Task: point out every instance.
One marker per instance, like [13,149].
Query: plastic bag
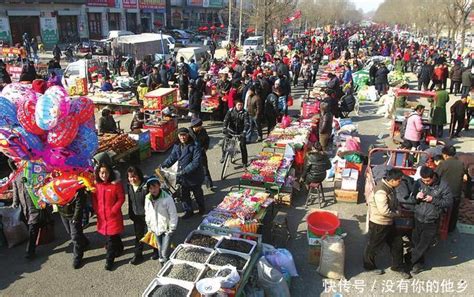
[282,260]
[14,229]
[231,279]
[331,263]
[285,121]
[271,280]
[151,240]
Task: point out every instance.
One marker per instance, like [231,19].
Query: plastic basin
[322,223]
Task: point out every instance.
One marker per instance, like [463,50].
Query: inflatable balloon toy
[56,158]
[47,112]
[83,109]
[86,142]
[33,142]
[76,161]
[17,93]
[8,116]
[63,98]
[13,145]
[36,175]
[26,117]
[64,132]
[61,190]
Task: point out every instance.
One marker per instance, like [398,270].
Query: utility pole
[256,22]
[230,21]
[240,23]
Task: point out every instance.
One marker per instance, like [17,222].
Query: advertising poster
[49,31]
[5,33]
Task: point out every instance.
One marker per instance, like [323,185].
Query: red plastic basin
[322,223]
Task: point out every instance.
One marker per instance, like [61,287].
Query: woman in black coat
[316,165]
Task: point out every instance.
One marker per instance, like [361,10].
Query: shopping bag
[14,229]
[150,239]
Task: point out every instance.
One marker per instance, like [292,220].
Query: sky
[367,5]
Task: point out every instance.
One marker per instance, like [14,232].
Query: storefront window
[95,29]
[132,22]
[114,21]
[67,26]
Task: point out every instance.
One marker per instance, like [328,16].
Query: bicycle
[231,150]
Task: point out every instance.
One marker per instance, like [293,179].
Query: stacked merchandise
[296,135]
[242,210]
[163,129]
[118,143]
[209,104]
[144,146]
[268,167]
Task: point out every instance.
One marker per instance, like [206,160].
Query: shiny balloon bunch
[50,137]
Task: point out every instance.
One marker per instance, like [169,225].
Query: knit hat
[196,122]
[183,131]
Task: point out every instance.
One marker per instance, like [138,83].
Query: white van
[117,33]
[254,44]
[168,39]
[80,69]
[195,53]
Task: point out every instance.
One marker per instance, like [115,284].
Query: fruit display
[119,143]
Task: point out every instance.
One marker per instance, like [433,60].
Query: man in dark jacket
[57,53]
[188,154]
[154,80]
[200,136]
[456,77]
[195,100]
[433,199]
[164,76]
[458,116]
[325,126]
[452,171]
[381,79]
[424,77]
[71,216]
[183,83]
[255,109]
[271,111]
[237,122]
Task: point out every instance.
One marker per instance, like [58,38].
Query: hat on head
[183,130]
[196,122]
[152,181]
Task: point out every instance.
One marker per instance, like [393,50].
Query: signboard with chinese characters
[5,33]
[195,3]
[129,3]
[49,31]
[101,3]
[152,4]
[216,3]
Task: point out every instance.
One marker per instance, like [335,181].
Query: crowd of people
[254,94]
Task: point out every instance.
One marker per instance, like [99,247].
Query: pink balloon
[62,96]
[18,93]
[55,158]
[83,109]
[64,132]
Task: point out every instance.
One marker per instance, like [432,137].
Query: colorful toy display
[48,138]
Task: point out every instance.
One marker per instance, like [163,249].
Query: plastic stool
[280,228]
[315,188]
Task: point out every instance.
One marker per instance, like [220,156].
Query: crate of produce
[191,253]
[203,239]
[221,258]
[160,98]
[239,246]
[185,272]
[168,287]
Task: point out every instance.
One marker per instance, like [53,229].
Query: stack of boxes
[142,137]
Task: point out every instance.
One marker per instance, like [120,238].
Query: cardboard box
[314,254]
[141,136]
[346,196]
[350,178]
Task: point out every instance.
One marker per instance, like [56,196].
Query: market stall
[122,146]
[163,128]
[119,102]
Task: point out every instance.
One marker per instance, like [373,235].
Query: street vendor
[107,123]
[382,209]
[189,175]
[316,165]
[438,111]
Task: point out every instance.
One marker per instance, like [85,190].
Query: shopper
[237,122]
[458,117]
[136,192]
[325,126]
[255,110]
[190,172]
[161,217]
[438,111]
[414,128]
[383,205]
[200,136]
[433,199]
[452,171]
[107,201]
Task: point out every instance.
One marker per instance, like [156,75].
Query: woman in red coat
[107,201]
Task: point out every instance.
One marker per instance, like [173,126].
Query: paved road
[51,272]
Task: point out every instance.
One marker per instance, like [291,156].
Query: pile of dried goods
[203,240]
[224,259]
[193,254]
[169,291]
[236,245]
[184,272]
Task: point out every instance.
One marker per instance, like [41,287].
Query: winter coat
[160,213]
[466,78]
[381,76]
[195,100]
[456,73]
[255,106]
[271,106]
[438,108]
[426,73]
[437,73]
[188,157]
[315,168]
[136,200]
[5,76]
[107,202]
[23,199]
[325,123]
[237,121]
[202,139]
[414,127]
[430,212]
[452,171]
[382,204]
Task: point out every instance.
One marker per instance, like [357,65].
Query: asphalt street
[51,273]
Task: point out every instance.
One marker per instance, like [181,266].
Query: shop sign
[129,3]
[49,30]
[101,3]
[152,4]
[216,3]
[5,33]
[195,3]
